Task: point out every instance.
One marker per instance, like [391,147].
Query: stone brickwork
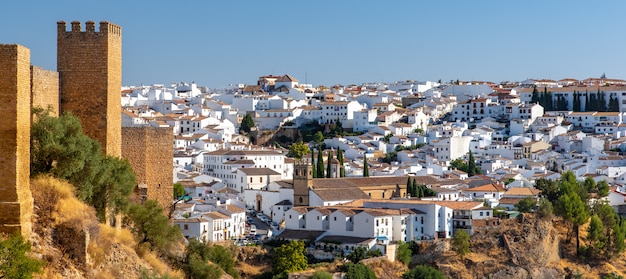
[45,89]
[302,182]
[149,151]
[16,201]
[89,63]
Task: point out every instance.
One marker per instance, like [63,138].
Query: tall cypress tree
[320,163]
[550,101]
[535,95]
[593,102]
[408,186]
[576,104]
[471,165]
[313,169]
[613,104]
[586,101]
[328,164]
[366,168]
[415,189]
[342,170]
[601,101]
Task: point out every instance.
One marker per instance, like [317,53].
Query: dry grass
[113,253]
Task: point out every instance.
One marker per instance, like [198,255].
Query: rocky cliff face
[527,247]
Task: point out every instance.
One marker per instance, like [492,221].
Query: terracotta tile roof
[522,191]
[455,205]
[512,201]
[233,208]
[340,194]
[370,181]
[214,215]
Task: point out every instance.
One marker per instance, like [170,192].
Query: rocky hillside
[68,237]
[527,247]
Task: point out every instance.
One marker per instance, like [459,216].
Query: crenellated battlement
[90,28]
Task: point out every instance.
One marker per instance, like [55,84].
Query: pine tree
[320,163]
[366,169]
[328,164]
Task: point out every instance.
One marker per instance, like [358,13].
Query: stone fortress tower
[90,80]
[88,84]
[16,201]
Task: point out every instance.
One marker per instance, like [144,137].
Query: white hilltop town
[402,161]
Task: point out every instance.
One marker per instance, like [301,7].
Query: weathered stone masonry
[90,80]
[149,151]
[16,201]
[45,89]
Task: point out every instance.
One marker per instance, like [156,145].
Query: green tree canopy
[298,150]
[545,208]
[358,254]
[527,204]
[290,257]
[404,253]
[152,227]
[14,259]
[461,242]
[59,147]
[549,189]
[359,271]
[195,263]
[116,181]
[318,137]
[246,123]
[423,272]
[179,190]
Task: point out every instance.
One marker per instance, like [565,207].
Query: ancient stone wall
[90,79]
[16,202]
[150,153]
[45,89]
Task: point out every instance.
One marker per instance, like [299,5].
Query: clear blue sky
[215,43]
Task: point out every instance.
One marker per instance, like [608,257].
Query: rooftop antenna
[306,79]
